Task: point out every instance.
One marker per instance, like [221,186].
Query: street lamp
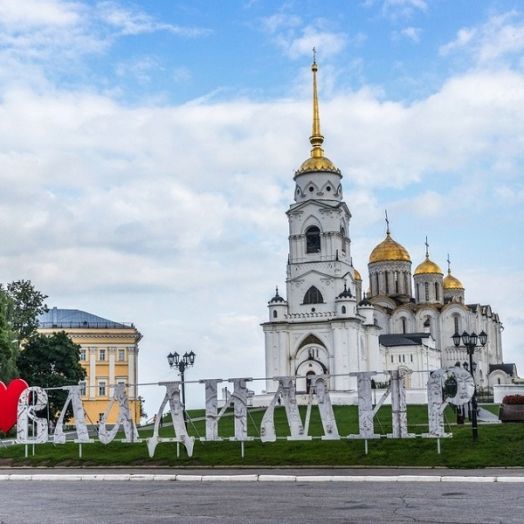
[181,363]
[470,343]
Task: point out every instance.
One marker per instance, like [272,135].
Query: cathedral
[326,325]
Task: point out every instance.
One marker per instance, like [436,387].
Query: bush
[513,399]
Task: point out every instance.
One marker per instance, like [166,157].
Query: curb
[256,478]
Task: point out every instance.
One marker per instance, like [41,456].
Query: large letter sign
[31,401]
[365,406]
[436,406]
[286,393]
[124,418]
[34,399]
[177,416]
[82,434]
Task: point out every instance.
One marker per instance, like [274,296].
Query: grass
[498,445]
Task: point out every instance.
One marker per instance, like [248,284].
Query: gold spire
[317,161]
[316,139]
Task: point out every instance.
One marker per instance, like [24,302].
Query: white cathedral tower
[320,328]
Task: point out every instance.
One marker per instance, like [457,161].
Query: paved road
[254,502]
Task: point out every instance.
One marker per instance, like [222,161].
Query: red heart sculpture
[9,402]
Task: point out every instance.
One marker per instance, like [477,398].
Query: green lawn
[498,445]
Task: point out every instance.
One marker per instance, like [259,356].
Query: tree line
[41,360]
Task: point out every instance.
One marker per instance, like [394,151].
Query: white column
[131,374]
[112,354]
[92,372]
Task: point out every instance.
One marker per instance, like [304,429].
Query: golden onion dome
[389,251]
[320,163]
[428,267]
[357,277]
[450,282]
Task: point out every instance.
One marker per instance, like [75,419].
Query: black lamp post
[181,363]
[470,343]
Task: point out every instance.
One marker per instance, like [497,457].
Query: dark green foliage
[8,341]
[51,361]
[27,304]
[20,305]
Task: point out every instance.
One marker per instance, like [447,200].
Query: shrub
[513,399]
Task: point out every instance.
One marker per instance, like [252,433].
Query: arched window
[406,286]
[343,235]
[313,296]
[436,291]
[404,326]
[376,284]
[309,380]
[426,291]
[274,314]
[313,240]
[418,292]
[343,310]
[386,276]
[456,320]
[397,290]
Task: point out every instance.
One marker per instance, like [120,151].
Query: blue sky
[147,152]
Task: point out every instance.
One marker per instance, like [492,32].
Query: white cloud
[411,33]
[39,13]
[167,215]
[396,9]
[134,22]
[502,36]
[53,35]
[297,40]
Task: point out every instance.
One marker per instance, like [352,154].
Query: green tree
[27,304]
[8,341]
[51,361]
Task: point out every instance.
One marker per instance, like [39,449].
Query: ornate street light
[181,363]
[470,343]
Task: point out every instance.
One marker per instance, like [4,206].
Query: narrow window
[418,292]
[411,357]
[101,388]
[121,355]
[396,283]
[343,235]
[82,388]
[343,310]
[426,291]
[457,325]
[376,285]
[406,287]
[274,314]
[436,291]
[386,277]
[102,354]
[392,359]
[313,296]
[498,381]
[313,240]
[82,354]
[404,330]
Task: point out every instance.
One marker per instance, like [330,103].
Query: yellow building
[109,353]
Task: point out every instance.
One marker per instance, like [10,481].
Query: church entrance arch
[307,369]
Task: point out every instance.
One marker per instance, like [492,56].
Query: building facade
[109,354]
[325,325]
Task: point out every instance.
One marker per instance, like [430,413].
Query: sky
[147,152]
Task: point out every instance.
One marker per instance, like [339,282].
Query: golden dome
[317,164]
[450,282]
[428,267]
[389,250]
[358,277]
